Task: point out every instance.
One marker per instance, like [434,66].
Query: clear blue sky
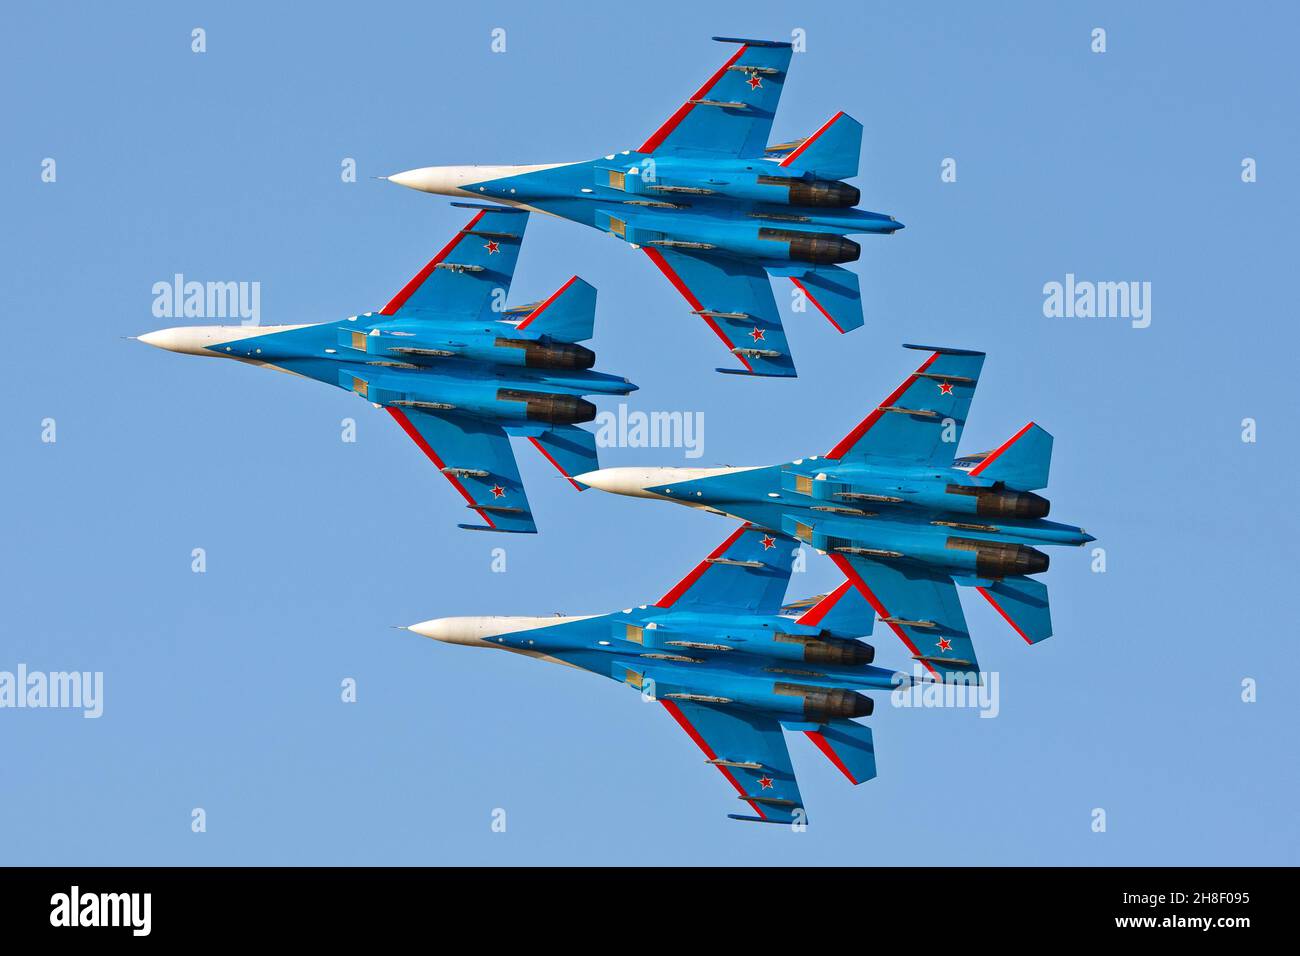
[222,689]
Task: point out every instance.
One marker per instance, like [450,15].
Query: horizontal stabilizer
[842,613]
[831,152]
[569,315]
[835,293]
[572,450]
[1022,602]
[1021,462]
[849,746]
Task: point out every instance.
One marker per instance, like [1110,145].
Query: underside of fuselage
[582,192]
[508,394]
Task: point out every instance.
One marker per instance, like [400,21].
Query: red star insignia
[492,247]
[945,388]
[765,783]
[945,644]
[754,82]
[769,542]
[758,335]
[498,492]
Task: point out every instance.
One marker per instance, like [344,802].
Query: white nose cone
[478,631]
[207,339]
[444,180]
[457,180]
[635,481]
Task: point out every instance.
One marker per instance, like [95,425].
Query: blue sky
[222,688]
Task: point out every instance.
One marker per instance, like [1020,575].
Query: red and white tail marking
[820,308]
[808,142]
[524,322]
[825,747]
[813,616]
[1005,616]
[558,467]
[993,455]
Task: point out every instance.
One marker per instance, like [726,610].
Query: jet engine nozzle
[824,248]
[548,407]
[997,559]
[823,192]
[835,650]
[553,355]
[821,702]
[1011,504]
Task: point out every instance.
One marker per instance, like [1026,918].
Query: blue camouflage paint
[456,368]
[731,665]
[716,208]
[903,517]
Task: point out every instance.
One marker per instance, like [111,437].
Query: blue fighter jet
[456,368]
[714,206]
[903,516]
[729,663]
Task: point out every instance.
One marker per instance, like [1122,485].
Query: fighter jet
[901,514]
[714,207]
[455,368]
[729,664]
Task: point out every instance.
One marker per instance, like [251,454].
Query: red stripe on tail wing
[820,308]
[547,455]
[999,450]
[813,616]
[1005,616]
[810,140]
[523,324]
[825,747]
